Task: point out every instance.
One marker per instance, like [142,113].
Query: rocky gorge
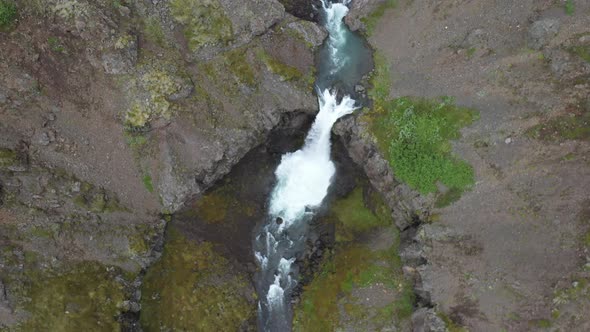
[138,141]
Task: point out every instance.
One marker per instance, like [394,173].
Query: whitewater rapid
[302,181]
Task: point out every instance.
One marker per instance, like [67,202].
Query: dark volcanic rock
[304,9]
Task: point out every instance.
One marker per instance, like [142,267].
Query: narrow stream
[304,176]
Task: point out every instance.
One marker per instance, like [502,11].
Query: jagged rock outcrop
[113,115]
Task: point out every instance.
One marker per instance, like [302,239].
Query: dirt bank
[499,258]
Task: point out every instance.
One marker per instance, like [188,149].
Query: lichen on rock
[161,87]
[205,22]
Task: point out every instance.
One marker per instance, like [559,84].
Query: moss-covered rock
[160,86]
[237,62]
[287,72]
[194,288]
[205,22]
[8,157]
[96,199]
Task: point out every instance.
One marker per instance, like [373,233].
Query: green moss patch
[328,301]
[569,7]
[353,215]
[8,14]
[288,73]
[83,298]
[237,62]
[193,288]
[450,324]
[223,204]
[147,183]
[583,51]
[55,45]
[160,85]
[574,125]
[353,266]
[96,199]
[414,135]
[205,22]
[153,31]
[447,198]
[8,157]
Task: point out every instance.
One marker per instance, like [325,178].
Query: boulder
[541,32]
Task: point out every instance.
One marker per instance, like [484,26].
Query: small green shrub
[8,13]
[575,125]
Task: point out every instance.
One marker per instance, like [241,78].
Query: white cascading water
[303,178]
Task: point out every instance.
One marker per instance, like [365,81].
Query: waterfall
[302,181]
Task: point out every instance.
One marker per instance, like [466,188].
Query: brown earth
[499,256]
